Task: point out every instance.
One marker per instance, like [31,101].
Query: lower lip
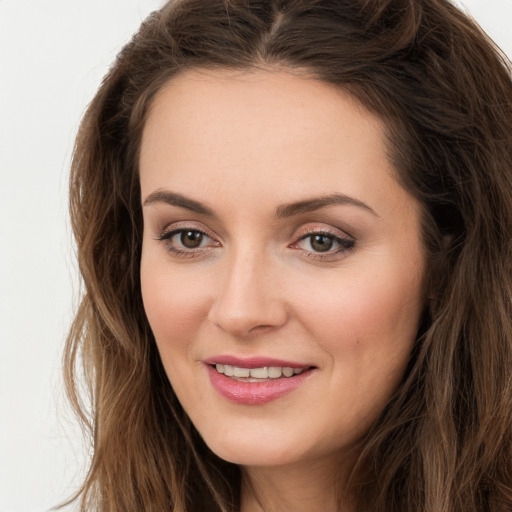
[254,393]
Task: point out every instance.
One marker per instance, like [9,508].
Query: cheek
[365,317]
[175,305]
[367,327]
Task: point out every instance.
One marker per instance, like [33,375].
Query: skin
[243,144]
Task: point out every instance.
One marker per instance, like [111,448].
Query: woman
[293,222]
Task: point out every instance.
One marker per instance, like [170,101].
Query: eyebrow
[283,211]
[316,203]
[174,199]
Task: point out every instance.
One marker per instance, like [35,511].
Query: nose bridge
[247,296]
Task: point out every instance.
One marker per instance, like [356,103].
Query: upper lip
[254,362]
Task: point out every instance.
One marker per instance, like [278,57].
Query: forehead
[285,100]
[272,133]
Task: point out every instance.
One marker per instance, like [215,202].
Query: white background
[53,54]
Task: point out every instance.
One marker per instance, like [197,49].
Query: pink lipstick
[256,380]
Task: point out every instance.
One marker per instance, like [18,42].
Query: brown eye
[191,239]
[187,242]
[321,243]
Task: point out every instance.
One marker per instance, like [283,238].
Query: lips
[255,381]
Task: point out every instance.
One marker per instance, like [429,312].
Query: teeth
[287,372]
[274,372]
[265,372]
[259,373]
[241,372]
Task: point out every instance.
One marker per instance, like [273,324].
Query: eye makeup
[324,244]
[187,242]
[315,243]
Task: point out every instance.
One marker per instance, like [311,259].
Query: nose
[248,299]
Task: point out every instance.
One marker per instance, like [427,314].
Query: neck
[304,487]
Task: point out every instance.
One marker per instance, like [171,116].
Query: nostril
[261,327]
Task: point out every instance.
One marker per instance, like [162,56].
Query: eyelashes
[318,244]
[326,243]
[186,242]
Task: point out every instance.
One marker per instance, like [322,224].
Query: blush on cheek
[173,307]
[366,320]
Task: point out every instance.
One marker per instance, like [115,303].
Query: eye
[324,244]
[186,241]
[321,243]
[191,239]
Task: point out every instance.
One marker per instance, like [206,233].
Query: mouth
[256,381]
[259,374]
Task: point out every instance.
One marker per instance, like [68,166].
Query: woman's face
[282,266]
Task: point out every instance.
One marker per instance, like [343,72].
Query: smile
[256,381]
[262,374]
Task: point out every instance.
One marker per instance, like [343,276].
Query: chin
[249,448]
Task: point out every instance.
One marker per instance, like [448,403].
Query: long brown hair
[444,442]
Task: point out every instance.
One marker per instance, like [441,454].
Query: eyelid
[165,237]
[346,242]
[343,241]
[169,229]
[314,229]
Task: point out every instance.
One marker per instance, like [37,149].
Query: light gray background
[53,54]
